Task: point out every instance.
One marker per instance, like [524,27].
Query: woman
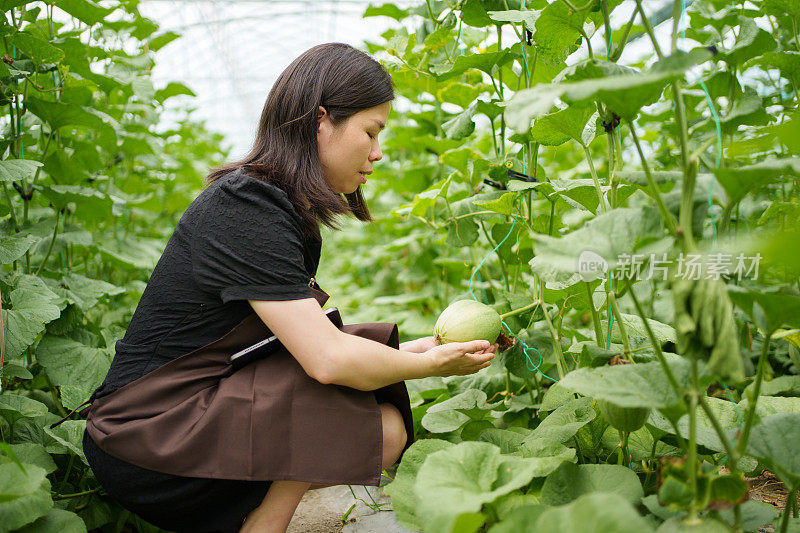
[190,443]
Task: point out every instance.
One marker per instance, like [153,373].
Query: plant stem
[626,343]
[521,309]
[11,207]
[598,329]
[741,446]
[656,346]
[786,510]
[50,248]
[693,394]
[732,457]
[600,198]
[560,363]
[662,207]
[649,29]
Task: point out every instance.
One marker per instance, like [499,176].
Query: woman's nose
[376,154]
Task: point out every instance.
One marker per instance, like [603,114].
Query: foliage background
[93,188]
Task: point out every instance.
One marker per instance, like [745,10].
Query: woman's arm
[331,356]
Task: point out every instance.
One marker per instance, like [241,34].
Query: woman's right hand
[460,358]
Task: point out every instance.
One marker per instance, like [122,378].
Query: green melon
[623,418]
[467,320]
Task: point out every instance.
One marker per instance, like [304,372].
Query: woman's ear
[321,115]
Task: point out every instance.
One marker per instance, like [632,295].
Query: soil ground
[322,510]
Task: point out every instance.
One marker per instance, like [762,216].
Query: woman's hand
[419,345]
[460,358]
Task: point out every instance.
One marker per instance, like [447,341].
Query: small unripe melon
[623,418]
[467,320]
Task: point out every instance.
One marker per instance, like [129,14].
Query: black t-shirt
[239,240]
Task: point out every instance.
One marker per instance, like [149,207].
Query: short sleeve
[247,242]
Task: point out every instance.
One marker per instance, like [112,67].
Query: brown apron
[197,417]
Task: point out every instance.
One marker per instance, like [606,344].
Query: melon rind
[467,320]
[623,418]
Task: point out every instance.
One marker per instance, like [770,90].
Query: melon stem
[520,310]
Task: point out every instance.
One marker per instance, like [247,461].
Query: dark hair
[285,153]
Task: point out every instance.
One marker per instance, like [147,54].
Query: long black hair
[339,78]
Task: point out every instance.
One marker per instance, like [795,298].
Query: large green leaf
[738,181]
[36,49]
[75,368]
[401,490]
[18,169]
[85,292]
[31,308]
[769,307]
[70,434]
[639,385]
[557,30]
[451,414]
[593,513]
[559,127]
[83,10]
[751,42]
[14,246]
[462,478]
[461,125]
[56,521]
[571,481]
[563,423]
[34,454]
[613,235]
[13,407]
[624,94]
[24,496]
[776,441]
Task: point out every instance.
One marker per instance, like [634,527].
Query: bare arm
[331,356]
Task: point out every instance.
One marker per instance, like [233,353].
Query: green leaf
[84,10]
[85,292]
[571,481]
[24,497]
[173,89]
[751,42]
[74,367]
[624,94]
[58,115]
[18,169]
[462,232]
[634,325]
[485,62]
[13,407]
[451,414]
[515,17]
[94,205]
[748,111]
[559,127]
[15,246]
[781,385]
[401,490]
[34,454]
[563,423]
[476,13]
[738,181]
[36,49]
[56,521]
[462,478]
[639,385]
[503,205]
[70,434]
[461,94]
[386,10]
[557,31]
[461,125]
[611,235]
[593,513]
[31,308]
[776,442]
[770,307]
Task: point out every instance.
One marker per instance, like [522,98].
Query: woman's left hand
[419,345]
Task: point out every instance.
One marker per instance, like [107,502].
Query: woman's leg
[278,506]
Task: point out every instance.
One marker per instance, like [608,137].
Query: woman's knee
[394,433]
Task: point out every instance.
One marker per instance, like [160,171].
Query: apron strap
[53,425]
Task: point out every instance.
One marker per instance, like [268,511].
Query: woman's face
[349,150]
